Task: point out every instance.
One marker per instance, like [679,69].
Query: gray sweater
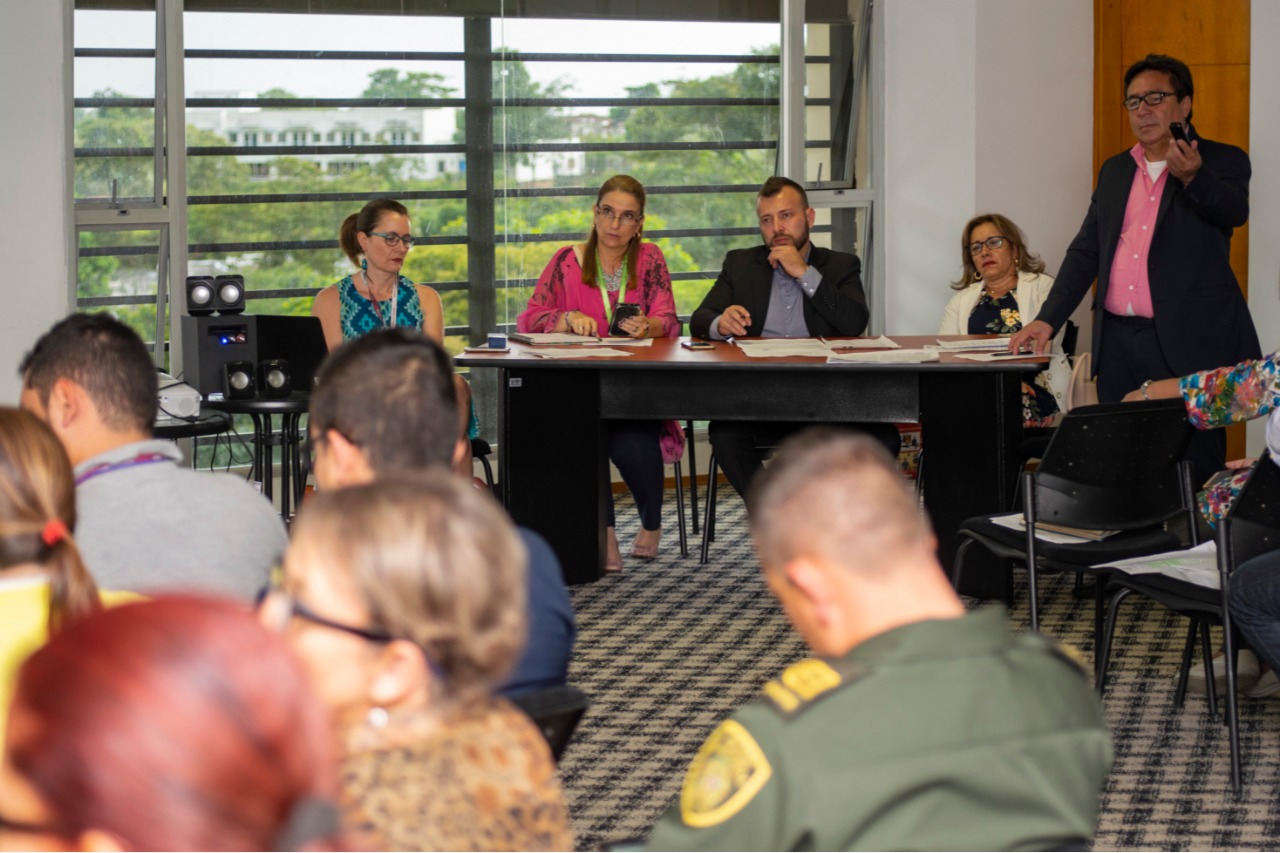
[148,524]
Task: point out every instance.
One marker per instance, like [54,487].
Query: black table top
[295,404]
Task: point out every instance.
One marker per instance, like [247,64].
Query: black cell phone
[693,344]
[622,312]
[1177,131]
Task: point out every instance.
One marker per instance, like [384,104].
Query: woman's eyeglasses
[393,239]
[290,608]
[628,217]
[991,243]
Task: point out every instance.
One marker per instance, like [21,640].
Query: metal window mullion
[482,255]
[175,146]
[791,114]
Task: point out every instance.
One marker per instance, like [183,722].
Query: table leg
[552,454]
[262,453]
[970,423]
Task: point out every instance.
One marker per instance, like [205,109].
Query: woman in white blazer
[1002,289]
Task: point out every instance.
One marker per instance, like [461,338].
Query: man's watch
[1144,387]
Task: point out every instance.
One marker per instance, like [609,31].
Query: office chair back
[1252,525]
[1116,467]
[556,711]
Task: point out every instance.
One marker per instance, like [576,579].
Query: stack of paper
[980,344]
[548,339]
[618,342]
[896,356]
[775,347]
[881,342]
[1197,565]
[578,352]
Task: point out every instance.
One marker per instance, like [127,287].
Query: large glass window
[496,143]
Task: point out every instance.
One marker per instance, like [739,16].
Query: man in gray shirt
[787,288]
[145,522]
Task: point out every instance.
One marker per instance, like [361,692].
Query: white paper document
[996,356]
[549,339]
[1014,521]
[979,344]
[1198,565]
[775,347]
[578,352]
[881,342]
[618,342]
[897,356]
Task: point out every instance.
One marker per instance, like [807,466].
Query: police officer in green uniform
[916,725]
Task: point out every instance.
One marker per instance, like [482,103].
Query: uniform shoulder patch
[726,774]
[1062,651]
[800,684]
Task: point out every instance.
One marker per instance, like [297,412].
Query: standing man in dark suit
[1158,239]
[787,288]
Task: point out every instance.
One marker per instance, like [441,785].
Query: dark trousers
[1131,355]
[1255,605]
[741,446]
[634,449]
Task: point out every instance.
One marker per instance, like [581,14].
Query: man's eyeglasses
[991,243]
[628,217]
[1151,99]
[290,607]
[393,239]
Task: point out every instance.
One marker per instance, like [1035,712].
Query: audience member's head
[404,593]
[91,379]
[384,403]
[38,515]
[842,542]
[173,724]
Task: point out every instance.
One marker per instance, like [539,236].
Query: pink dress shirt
[1130,287]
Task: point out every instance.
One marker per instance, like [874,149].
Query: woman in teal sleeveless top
[377,240]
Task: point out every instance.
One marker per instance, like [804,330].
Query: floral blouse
[1228,395]
[992,316]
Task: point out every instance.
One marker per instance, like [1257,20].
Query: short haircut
[433,560]
[1177,71]
[391,394]
[104,357]
[838,495]
[776,184]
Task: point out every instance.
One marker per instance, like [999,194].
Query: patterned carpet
[669,648]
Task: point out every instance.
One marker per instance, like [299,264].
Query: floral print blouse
[1228,395]
[1000,316]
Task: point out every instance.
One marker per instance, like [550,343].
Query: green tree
[524,124]
[276,92]
[392,83]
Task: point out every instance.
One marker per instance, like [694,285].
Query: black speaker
[274,378]
[228,295]
[210,342]
[200,289]
[237,380]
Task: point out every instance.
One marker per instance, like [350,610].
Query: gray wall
[36,233]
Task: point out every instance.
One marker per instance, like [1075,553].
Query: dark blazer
[1202,320]
[838,307]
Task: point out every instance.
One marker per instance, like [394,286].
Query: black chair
[480,449]
[1109,467]
[1251,528]
[556,711]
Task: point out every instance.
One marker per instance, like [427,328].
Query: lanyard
[604,294]
[377,308]
[108,467]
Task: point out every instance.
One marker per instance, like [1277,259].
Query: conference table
[552,413]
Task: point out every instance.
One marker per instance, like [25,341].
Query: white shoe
[1246,674]
[1267,685]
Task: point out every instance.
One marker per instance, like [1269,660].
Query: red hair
[173,724]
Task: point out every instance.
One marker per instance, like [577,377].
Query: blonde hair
[635,189]
[434,561]
[38,513]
